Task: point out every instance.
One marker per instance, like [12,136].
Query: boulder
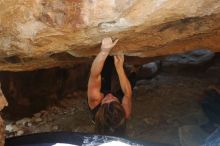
[194,61]
[49,33]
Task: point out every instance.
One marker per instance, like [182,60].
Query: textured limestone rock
[3,103]
[46,33]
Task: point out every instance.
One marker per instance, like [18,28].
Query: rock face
[47,33]
[3,103]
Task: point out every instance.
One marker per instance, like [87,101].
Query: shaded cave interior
[32,91]
[29,92]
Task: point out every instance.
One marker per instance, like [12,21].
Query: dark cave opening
[31,92]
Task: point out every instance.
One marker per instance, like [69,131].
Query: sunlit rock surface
[3,103]
[47,33]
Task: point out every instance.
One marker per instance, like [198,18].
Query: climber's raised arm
[124,83]
[94,85]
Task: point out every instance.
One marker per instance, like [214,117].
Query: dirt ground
[161,106]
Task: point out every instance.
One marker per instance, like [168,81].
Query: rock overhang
[48,33]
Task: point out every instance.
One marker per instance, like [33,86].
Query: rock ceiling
[37,34]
